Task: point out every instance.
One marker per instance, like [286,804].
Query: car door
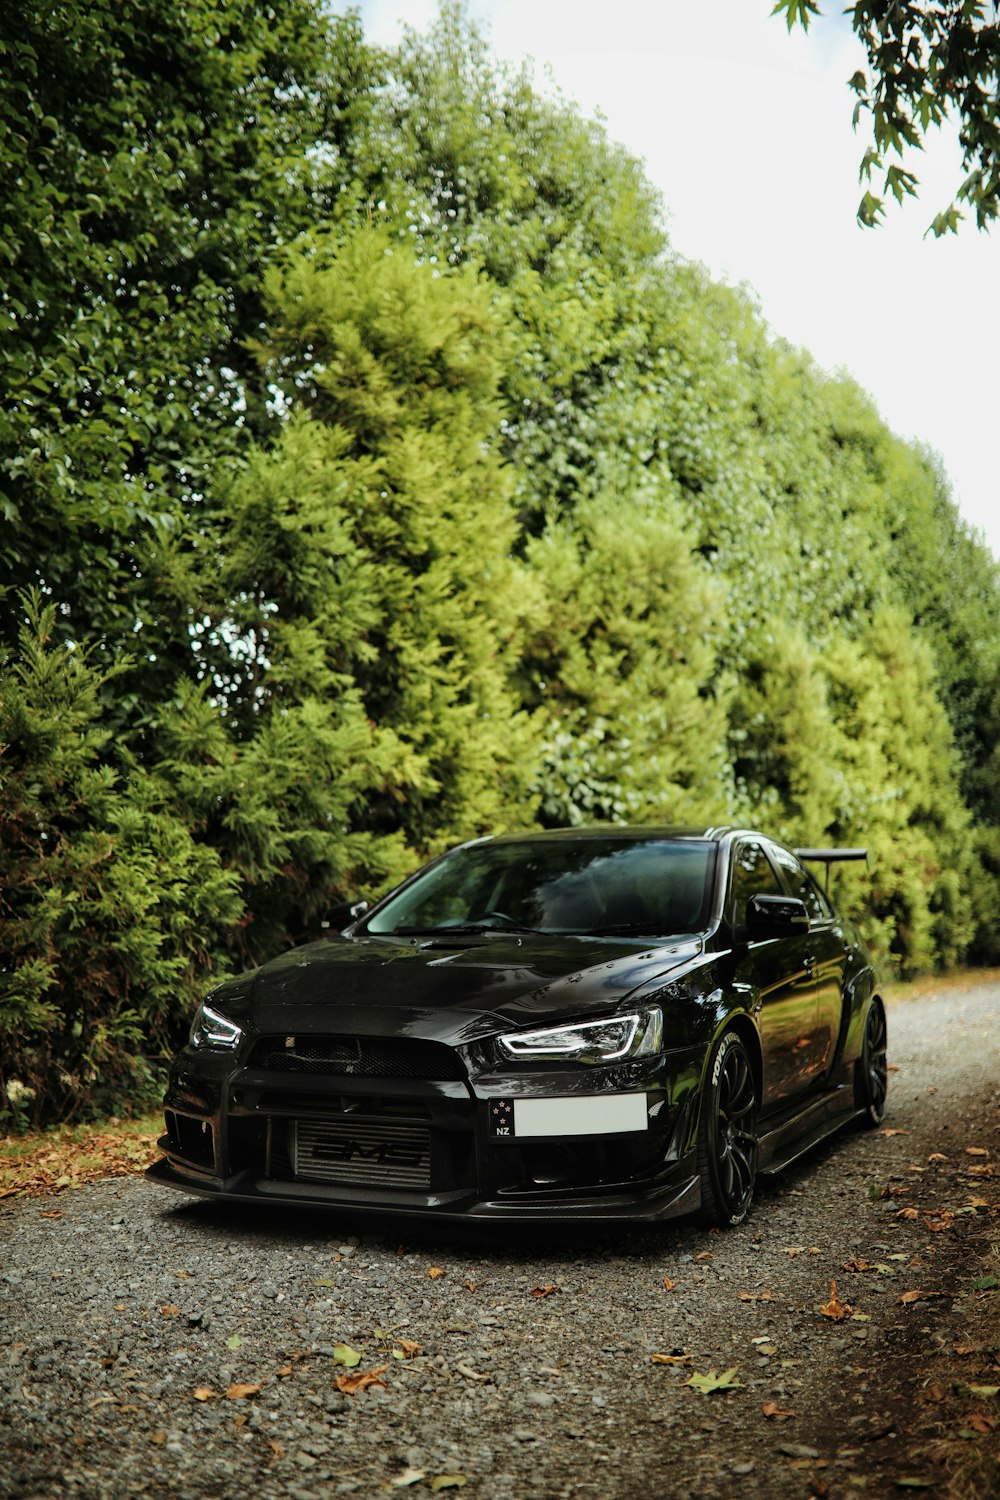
[827,955]
[778,971]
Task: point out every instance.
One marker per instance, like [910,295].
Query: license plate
[602,1114]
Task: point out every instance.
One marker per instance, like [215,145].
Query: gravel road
[131,1317]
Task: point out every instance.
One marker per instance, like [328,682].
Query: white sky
[746,131]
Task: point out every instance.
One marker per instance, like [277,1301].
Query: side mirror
[776,916]
[344,913]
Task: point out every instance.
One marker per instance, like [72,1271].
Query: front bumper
[439,1149]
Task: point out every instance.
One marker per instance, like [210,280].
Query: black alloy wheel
[727,1134]
[871,1071]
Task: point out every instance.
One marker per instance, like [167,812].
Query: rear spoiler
[830,857]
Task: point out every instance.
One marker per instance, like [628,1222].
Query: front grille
[364,1057]
[374,1153]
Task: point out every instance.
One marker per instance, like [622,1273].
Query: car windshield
[607,886]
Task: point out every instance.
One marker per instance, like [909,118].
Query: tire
[871,1071]
[727,1134]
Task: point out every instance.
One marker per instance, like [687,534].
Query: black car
[584,1024]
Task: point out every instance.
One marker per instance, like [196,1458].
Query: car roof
[623,831]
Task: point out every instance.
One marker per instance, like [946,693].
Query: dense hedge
[375,475]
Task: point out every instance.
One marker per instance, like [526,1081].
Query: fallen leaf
[407,1348]
[343,1354]
[894,1190]
[159,1437]
[793,1249]
[893,1131]
[447,1482]
[544,1291]
[284,1372]
[937,1156]
[980,1422]
[351,1384]
[668,1284]
[54,1213]
[325,1281]
[908,1213]
[170,1310]
[703,1255]
[940,1222]
[275,1447]
[408,1477]
[919,1296]
[985,1283]
[706,1384]
[856,1264]
[243,1392]
[935,1392]
[671,1359]
[983,1390]
[835,1309]
[765,1296]
[976,1151]
[204,1393]
[435,1271]
[772,1409]
[471,1285]
[766,1348]
[234,1341]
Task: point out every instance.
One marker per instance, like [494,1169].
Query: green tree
[110,911]
[926,62]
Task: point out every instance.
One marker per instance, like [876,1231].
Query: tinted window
[752,876]
[800,883]
[658,887]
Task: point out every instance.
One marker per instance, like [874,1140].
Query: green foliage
[110,909]
[381,478]
[925,62]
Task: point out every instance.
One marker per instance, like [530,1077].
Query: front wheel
[727,1134]
[871,1071]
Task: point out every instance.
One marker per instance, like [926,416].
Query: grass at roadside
[66,1156]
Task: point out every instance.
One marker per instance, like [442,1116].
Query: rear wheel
[871,1071]
[727,1134]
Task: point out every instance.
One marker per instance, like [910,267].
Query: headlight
[637,1035]
[210,1029]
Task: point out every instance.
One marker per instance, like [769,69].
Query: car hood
[457,989]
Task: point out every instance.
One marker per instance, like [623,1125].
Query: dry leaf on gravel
[703,1255]
[772,1409]
[706,1384]
[765,1296]
[835,1309]
[908,1213]
[668,1284]
[351,1384]
[670,1359]
[240,1392]
[170,1310]
[204,1393]
[976,1151]
[919,1296]
[471,1285]
[406,1349]
[435,1271]
[544,1291]
[276,1448]
[406,1478]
